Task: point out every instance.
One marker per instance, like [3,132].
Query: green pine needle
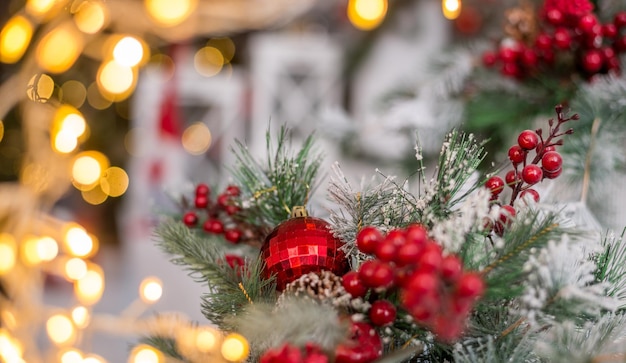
[166,346]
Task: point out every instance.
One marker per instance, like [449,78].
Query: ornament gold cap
[299,211]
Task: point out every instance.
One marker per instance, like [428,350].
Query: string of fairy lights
[34,245]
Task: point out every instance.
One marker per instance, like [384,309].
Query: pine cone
[521,23]
[324,286]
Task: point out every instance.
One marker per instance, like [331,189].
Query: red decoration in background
[299,246]
[571,10]
[169,123]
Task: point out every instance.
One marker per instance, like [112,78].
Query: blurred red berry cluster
[568,32]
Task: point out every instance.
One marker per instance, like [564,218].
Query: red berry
[551,161]
[553,174]
[609,30]
[587,22]
[516,154]
[396,236]
[620,44]
[545,149]
[470,286]
[353,284]
[489,58]
[203,189]
[409,253]
[607,53]
[613,64]
[495,184]
[386,250]
[232,235]
[620,19]
[532,174]
[592,61]
[213,226]
[511,69]
[530,193]
[562,38]
[201,201]
[548,56]
[190,219]
[423,283]
[554,16]
[430,258]
[416,233]
[543,41]
[376,274]
[367,239]
[233,191]
[382,313]
[507,213]
[511,178]
[508,54]
[234,260]
[527,140]
[223,200]
[446,329]
[451,268]
[529,58]
[232,209]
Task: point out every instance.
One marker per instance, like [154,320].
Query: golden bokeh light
[128,51]
[47,248]
[7,319]
[90,288]
[43,8]
[165,64]
[75,268]
[15,38]
[132,141]
[451,8]
[73,93]
[80,317]
[77,241]
[367,14]
[11,349]
[58,50]
[94,195]
[197,138]
[64,142]
[60,329]
[145,354]
[225,45]
[1,130]
[115,79]
[235,348]
[208,61]
[40,88]
[96,99]
[91,16]
[92,358]
[114,181]
[8,253]
[75,124]
[86,170]
[71,356]
[170,12]
[29,251]
[205,340]
[150,290]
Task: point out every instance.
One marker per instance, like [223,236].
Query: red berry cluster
[288,353]
[218,215]
[433,288]
[533,159]
[564,32]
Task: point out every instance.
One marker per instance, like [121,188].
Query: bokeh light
[114,181]
[92,358]
[80,316]
[225,45]
[367,14]
[91,16]
[60,329]
[115,79]
[197,138]
[128,51]
[41,8]
[150,290]
[71,356]
[47,248]
[208,61]
[75,268]
[77,241]
[96,99]
[15,38]
[40,88]
[11,349]
[1,130]
[90,288]
[64,142]
[29,251]
[235,348]
[8,252]
[73,93]
[145,354]
[86,170]
[451,8]
[94,195]
[205,340]
[170,12]
[58,50]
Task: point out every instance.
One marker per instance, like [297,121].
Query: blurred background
[111,110]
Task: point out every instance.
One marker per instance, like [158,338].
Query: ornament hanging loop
[299,211]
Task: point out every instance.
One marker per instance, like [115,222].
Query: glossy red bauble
[301,245]
[376,274]
[201,201]
[368,238]
[190,219]
[532,174]
[382,313]
[387,250]
[203,189]
[587,22]
[527,140]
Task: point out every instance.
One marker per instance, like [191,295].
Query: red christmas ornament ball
[301,245]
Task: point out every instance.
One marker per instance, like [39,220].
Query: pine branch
[230,289]
[611,267]
[166,346]
[490,350]
[287,179]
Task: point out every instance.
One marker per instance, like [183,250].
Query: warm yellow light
[58,50]
[367,14]
[74,123]
[60,329]
[170,12]
[91,16]
[74,93]
[39,7]
[8,253]
[196,139]
[205,340]
[92,358]
[79,243]
[86,170]
[128,51]
[150,290]
[80,316]
[115,78]
[47,248]
[208,61]
[11,349]
[96,99]
[451,8]
[145,354]
[14,39]
[7,319]
[114,181]
[1,130]
[75,268]
[71,356]
[89,289]
[235,348]
[40,88]
[64,142]
[225,45]
[95,195]
[30,254]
